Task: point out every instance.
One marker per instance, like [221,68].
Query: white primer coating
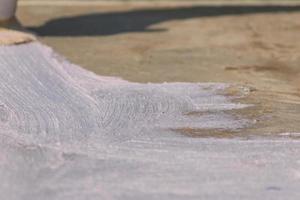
[7,9]
[66,133]
[41,93]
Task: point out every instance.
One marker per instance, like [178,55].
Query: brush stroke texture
[66,133]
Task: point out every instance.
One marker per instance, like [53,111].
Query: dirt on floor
[256,45]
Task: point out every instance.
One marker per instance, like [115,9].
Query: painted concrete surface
[67,133]
[255,45]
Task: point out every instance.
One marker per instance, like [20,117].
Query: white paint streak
[44,95]
[66,133]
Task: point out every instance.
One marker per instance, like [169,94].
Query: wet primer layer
[44,96]
[66,133]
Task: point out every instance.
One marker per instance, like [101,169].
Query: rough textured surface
[69,134]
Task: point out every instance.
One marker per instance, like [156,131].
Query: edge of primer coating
[44,96]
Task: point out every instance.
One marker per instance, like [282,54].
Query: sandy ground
[255,44]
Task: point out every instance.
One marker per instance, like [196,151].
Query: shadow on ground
[140,20]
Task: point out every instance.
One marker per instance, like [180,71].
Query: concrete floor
[68,134]
[73,138]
